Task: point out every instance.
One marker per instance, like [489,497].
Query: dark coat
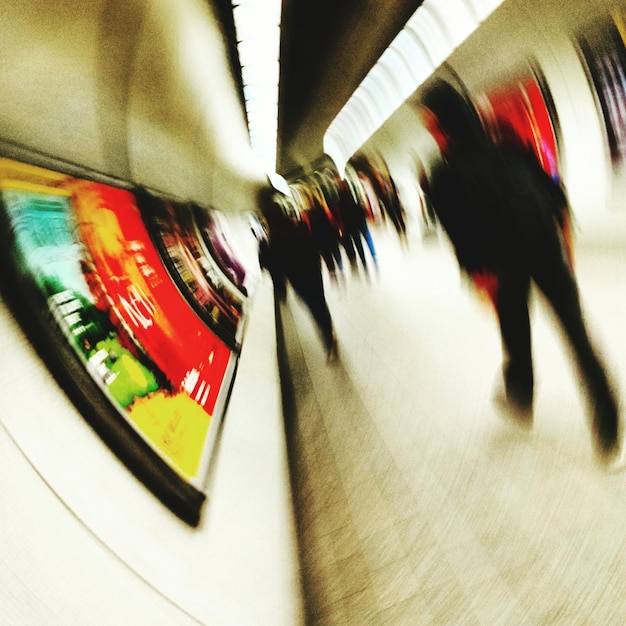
[497,205]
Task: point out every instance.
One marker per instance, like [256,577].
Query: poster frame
[30,308]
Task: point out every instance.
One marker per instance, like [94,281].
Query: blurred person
[355,228]
[290,255]
[504,216]
[394,207]
[429,219]
[325,233]
[369,209]
[385,188]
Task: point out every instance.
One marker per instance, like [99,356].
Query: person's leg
[367,235]
[336,252]
[348,246]
[329,261]
[554,277]
[310,289]
[318,307]
[280,284]
[511,302]
[358,246]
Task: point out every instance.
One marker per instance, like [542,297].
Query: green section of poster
[47,246]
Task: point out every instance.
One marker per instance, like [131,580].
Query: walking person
[290,254]
[505,217]
[325,234]
[355,229]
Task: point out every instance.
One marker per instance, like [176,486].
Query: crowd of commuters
[506,217]
[324,219]
[288,252]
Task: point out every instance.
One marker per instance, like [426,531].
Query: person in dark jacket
[289,254]
[505,217]
[324,233]
[355,228]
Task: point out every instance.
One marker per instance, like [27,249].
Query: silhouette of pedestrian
[505,216]
[290,254]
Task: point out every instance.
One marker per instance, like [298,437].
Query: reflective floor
[416,502]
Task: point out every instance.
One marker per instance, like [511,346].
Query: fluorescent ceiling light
[257,25]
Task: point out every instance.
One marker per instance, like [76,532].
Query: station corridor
[380,489]
[416,502]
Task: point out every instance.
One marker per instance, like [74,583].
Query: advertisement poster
[603,54]
[87,250]
[193,363]
[212,233]
[520,109]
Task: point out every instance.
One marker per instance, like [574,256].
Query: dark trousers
[309,287]
[332,257]
[547,266]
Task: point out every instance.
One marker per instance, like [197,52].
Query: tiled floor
[416,502]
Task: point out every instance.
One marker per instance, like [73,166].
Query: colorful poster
[45,234]
[143,300]
[219,248]
[519,111]
[89,253]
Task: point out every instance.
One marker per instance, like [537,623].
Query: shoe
[332,351]
[606,432]
[518,413]
[607,446]
[615,462]
[610,456]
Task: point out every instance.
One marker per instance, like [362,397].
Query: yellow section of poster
[176,425]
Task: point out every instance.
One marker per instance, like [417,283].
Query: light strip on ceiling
[257,25]
[429,37]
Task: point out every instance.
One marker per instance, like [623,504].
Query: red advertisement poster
[521,109]
[142,300]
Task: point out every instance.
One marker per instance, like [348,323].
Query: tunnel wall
[138,91]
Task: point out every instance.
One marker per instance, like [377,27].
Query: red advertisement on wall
[143,300]
[174,230]
[143,295]
[84,269]
[519,111]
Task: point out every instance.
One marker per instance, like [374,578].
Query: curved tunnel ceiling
[327,48]
[129,95]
